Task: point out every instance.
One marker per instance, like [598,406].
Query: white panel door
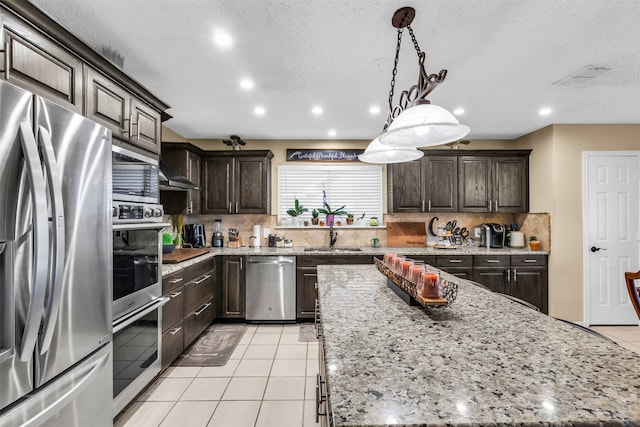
[612,240]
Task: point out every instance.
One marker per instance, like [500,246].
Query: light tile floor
[626,336]
[269,381]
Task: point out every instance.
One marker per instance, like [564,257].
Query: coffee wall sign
[343,155]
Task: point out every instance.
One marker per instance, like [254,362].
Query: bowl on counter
[167,249]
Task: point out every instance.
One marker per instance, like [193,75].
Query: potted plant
[314,219]
[349,218]
[297,210]
[332,213]
[534,244]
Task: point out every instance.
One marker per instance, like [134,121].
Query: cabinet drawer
[198,290]
[200,268]
[197,321]
[172,343]
[173,310]
[491,260]
[454,261]
[173,280]
[528,260]
[427,259]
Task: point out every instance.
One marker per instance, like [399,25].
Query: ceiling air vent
[585,74]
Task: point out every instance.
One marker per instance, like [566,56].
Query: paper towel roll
[256,233]
[517,239]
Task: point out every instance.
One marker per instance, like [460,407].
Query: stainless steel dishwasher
[271,288]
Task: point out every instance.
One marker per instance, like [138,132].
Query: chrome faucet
[333,236]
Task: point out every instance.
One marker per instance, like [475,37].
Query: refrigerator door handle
[57,243]
[7,303]
[40,266]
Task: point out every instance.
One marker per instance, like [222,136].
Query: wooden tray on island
[406,290]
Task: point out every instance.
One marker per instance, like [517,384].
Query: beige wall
[556,187]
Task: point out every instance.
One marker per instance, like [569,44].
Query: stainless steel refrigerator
[55,265]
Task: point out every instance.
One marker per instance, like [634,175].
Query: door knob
[595,249]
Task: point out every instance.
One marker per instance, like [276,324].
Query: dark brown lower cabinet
[307,278]
[233,288]
[457,265]
[190,310]
[521,276]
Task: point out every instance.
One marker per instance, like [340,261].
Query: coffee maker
[194,235]
[493,235]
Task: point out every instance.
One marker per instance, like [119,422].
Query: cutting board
[406,234]
[179,255]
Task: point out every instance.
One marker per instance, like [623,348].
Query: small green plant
[349,215]
[297,210]
[533,239]
[335,212]
[315,213]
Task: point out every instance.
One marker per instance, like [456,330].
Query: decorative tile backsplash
[537,224]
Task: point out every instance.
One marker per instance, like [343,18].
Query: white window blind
[357,186]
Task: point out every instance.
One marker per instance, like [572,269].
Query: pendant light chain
[415,42]
[395,70]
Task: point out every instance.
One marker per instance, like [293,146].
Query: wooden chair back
[634,290]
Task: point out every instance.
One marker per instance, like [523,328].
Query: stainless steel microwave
[134,176]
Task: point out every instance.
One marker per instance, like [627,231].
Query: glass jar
[373,221]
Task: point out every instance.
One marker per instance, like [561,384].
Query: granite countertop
[482,361]
[364,250]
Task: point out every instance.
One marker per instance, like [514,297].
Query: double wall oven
[137,274]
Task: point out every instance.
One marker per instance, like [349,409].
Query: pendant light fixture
[414,121]
[379,153]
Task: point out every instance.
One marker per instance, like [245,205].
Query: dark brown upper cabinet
[35,63]
[494,183]
[425,185]
[461,181]
[130,120]
[237,182]
[186,159]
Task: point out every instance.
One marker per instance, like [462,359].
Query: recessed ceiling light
[317,110]
[374,109]
[332,132]
[545,111]
[458,111]
[222,38]
[246,84]
[259,111]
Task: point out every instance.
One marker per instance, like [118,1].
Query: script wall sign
[346,155]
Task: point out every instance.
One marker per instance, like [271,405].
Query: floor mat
[307,333]
[214,347]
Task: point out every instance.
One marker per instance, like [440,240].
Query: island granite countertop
[483,361]
[347,251]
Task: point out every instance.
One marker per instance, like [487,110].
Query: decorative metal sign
[344,155]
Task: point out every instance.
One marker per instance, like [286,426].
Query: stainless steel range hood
[172,180]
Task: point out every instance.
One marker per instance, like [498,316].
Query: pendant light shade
[383,154]
[423,125]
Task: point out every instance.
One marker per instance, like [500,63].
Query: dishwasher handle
[275,260]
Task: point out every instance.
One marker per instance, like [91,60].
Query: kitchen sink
[328,249]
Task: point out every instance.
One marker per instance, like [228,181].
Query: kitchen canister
[256,236]
[517,239]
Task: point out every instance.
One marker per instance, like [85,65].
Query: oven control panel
[130,212]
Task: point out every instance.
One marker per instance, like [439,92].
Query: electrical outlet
[478,232]
[265,232]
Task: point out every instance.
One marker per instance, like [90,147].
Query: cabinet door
[41,66]
[198,290]
[197,321]
[530,284]
[145,125]
[193,175]
[107,104]
[461,272]
[307,278]
[474,185]
[233,289]
[441,184]
[251,185]
[406,187]
[216,185]
[172,343]
[510,184]
[492,278]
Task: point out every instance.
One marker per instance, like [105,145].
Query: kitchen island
[485,360]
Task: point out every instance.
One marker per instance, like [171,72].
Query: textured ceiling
[503,58]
